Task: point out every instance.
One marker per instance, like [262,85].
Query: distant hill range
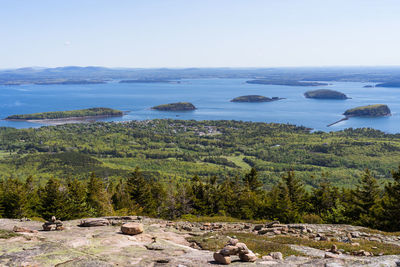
[275,76]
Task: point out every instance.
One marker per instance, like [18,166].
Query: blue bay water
[211,97]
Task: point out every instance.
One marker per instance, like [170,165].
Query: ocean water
[211,97]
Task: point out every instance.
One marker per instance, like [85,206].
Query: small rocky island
[80,114]
[325,94]
[255,99]
[180,106]
[378,110]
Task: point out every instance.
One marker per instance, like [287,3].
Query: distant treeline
[239,197]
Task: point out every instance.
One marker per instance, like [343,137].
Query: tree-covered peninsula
[180,106]
[149,81]
[254,98]
[90,112]
[325,94]
[378,110]
[285,82]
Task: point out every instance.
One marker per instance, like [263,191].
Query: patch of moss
[6,234]
[371,246]
[215,219]
[256,243]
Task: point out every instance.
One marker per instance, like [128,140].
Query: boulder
[334,250]
[132,228]
[271,224]
[233,241]
[221,259]
[329,255]
[258,227]
[229,250]
[242,248]
[93,222]
[49,227]
[248,257]
[18,229]
[276,255]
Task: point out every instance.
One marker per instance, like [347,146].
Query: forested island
[70,82]
[149,81]
[179,106]
[325,94]
[255,98]
[285,82]
[90,112]
[368,111]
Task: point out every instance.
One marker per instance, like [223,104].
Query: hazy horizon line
[194,67]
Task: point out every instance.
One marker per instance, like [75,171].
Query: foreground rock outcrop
[164,243]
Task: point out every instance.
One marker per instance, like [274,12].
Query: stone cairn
[53,225]
[234,247]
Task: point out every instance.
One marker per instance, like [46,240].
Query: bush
[312,219]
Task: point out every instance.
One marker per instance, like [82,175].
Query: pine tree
[32,198]
[97,197]
[14,198]
[288,199]
[324,198]
[365,197]
[251,180]
[53,199]
[76,206]
[121,199]
[390,209]
[140,191]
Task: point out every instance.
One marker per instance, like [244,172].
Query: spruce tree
[14,198]
[32,198]
[76,206]
[324,198]
[53,199]
[139,191]
[365,197]
[97,197]
[251,180]
[390,212]
[121,199]
[288,199]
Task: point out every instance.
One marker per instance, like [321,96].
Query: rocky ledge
[154,242]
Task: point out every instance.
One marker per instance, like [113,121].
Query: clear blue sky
[199,33]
